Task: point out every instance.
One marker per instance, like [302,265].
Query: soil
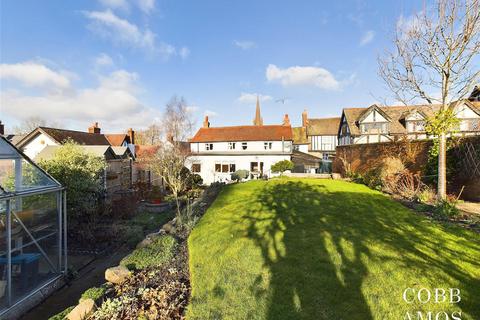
[89,276]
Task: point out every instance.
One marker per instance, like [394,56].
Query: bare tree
[31,123]
[169,161]
[150,136]
[435,61]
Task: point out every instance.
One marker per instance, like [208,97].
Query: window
[416,126]
[244,145]
[296,147]
[231,146]
[267,145]
[379,127]
[208,146]
[196,167]
[324,143]
[470,125]
[225,167]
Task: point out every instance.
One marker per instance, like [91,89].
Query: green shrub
[157,253]
[282,166]
[373,178]
[62,315]
[446,208]
[94,293]
[426,195]
[239,175]
[79,171]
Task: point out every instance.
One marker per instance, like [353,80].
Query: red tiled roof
[145,151]
[117,139]
[243,133]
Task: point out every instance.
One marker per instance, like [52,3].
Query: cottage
[385,124]
[217,152]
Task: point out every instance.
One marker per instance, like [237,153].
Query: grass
[151,220]
[324,249]
[155,254]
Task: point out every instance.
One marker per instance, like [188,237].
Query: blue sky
[119,61]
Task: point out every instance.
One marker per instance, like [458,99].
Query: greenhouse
[32,229]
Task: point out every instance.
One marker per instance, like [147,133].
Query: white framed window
[267,145]
[244,146]
[208,146]
[231,146]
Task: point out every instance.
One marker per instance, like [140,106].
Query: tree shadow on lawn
[318,243]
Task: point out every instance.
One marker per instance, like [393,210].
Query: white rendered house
[217,152]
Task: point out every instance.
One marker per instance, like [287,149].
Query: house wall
[37,144]
[252,146]
[302,147]
[242,162]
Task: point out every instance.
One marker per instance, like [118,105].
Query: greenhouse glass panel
[32,228]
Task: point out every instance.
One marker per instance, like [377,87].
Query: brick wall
[364,157]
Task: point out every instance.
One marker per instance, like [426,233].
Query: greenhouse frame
[33,229]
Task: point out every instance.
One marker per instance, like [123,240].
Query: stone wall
[361,158]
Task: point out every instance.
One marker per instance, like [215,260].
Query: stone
[149,239]
[117,275]
[84,309]
[168,227]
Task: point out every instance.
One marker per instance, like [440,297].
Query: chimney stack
[206,123]
[304,118]
[131,134]
[2,128]
[94,128]
[286,120]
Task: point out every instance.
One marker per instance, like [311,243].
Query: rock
[168,227]
[117,275]
[82,310]
[336,176]
[149,239]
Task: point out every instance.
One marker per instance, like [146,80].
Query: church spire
[258,121]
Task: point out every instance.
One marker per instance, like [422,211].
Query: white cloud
[367,37]
[110,26]
[146,5]
[244,45]
[302,76]
[252,97]
[103,59]
[115,4]
[113,101]
[184,52]
[33,74]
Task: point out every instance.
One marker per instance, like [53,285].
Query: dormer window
[379,127]
[244,146]
[267,145]
[208,146]
[231,146]
[416,126]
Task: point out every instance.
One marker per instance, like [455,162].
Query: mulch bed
[467,221]
[159,292]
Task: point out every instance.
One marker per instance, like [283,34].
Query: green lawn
[324,249]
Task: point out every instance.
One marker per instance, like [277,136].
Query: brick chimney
[286,120]
[304,118]
[206,123]
[94,128]
[131,134]
[2,128]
